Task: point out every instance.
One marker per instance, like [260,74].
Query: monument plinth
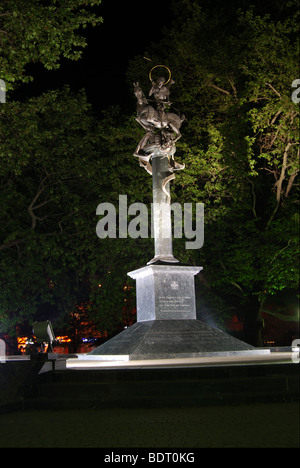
[165,292]
[167,324]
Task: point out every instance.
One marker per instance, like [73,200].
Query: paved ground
[259,425]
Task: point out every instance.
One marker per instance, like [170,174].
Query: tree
[234,69]
[41,169]
[39,31]
[52,181]
[49,161]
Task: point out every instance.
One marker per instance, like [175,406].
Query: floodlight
[43,332]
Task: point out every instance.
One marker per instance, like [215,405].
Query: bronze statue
[161,91]
[156,154]
[162,127]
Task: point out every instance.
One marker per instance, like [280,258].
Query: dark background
[127,28]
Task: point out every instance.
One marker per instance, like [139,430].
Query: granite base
[165,339]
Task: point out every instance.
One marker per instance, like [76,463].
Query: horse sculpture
[162,132]
[150,118]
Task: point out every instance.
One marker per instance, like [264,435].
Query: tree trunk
[253,322]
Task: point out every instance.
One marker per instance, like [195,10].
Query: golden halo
[156,66]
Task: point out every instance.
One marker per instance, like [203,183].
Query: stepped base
[167,339]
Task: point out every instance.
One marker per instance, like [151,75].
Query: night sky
[127,29]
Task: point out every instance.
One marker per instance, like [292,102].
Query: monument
[167,325]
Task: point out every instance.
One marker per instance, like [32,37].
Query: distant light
[30,341]
[63,339]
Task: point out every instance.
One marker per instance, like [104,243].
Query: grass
[255,425]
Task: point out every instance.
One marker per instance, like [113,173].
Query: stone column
[161,210]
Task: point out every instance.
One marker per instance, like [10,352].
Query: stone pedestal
[166,325]
[165,292]
[171,339]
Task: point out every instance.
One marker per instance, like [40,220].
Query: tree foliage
[41,31]
[233,67]
[52,181]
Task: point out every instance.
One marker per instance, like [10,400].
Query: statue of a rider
[161,91]
[162,127]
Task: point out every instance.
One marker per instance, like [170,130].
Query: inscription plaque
[174,304]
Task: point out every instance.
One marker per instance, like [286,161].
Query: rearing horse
[149,118]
